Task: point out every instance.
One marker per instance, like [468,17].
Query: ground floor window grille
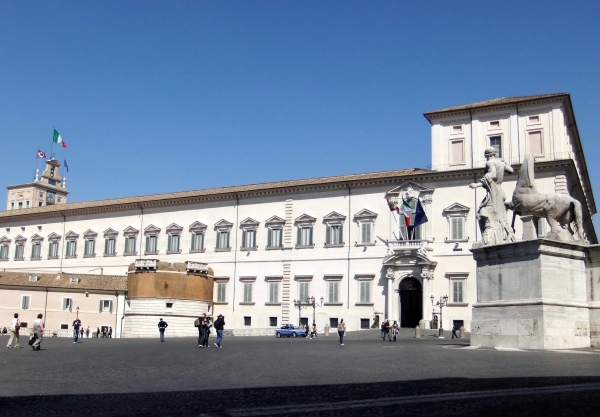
[364,323]
[247,321]
[333,323]
[273,321]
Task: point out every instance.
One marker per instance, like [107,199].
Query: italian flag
[408,212]
[58,139]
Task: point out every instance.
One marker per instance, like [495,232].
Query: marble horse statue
[563,212]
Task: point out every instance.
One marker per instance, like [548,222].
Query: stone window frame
[331,278]
[109,234]
[303,279]
[20,241]
[247,281]
[223,226]
[198,228]
[451,162]
[149,232]
[334,219]
[173,230]
[128,233]
[488,142]
[71,238]
[54,239]
[456,277]
[274,223]
[249,225]
[89,235]
[454,211]
[36,240]
[224,281]
[540,130]
[5,243]
[365,216]
[302,222]
[360,278]
[269,279]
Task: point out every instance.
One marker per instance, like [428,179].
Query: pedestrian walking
[97,332]
[104,330]
[81,332]
[200,324]
[38,332]
[162,325]
[219,325]
[314,331]
[454,329]
[307,331]
[395,329]
[208,325]
[76,325]
[110,332]
[15,326]
[386,330]
[87,332]
[341,331]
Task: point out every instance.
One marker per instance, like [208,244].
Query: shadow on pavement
[551,396]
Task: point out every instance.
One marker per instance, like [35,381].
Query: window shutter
[110,306]
[147,243]
[227,246]
[454,229]
[280,237]
[270,238]
[106,246]
[101,301]
[244,236]
[330,297]
[170,242]
[254,238]
[341,235]
[328,234]
[310,235]
[362,292]
[368,291]
[299,235]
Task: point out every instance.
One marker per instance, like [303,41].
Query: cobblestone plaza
[256,376]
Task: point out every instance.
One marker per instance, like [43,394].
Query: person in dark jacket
[162,325]
[219,325]
[201,324]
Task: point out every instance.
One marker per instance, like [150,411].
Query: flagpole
[52,144]
[36,162]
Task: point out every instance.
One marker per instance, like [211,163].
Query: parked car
[290,330]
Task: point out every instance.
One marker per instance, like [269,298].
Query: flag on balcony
[57,138]
[393,206]
[420,216]
[409,213]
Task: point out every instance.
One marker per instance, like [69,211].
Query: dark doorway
[411,302]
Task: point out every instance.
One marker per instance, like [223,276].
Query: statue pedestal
[531,295]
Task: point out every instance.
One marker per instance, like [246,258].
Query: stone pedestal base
[531,295]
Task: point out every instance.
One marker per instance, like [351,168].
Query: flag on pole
[393,206]
[58,139]
[66,166]
[420,216]
[408,212]
[41,154]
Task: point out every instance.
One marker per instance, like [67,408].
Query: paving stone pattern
[276,377]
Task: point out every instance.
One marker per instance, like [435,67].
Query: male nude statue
[492,210]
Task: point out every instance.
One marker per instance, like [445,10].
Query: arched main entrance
[411,302]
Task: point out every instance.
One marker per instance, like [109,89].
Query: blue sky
[155,97]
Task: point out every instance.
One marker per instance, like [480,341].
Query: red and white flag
[41,154]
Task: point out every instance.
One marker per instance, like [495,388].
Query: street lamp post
[299,304]
[442,303]
[314,306]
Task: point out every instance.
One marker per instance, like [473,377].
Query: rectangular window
[366,232]
[457,228]
[20,204]
[90,247]
[303,290]
[110,246]
[197,241]
[456,129]
[71,248]
[151,244]
[25,301]
[333,291]
[496,142]
[533,120]
[273,292]
[106,306]
[365,324]
[275,238]
[67,304]
[173,243]
[19,252]
[223,240]
[64,327]
[247,321]
[457,291]
[334,234]
[221,292]
[130,244]
[4,252]
[273,321]
[333,322]
[53,250]
[365,291]
[457,152]
[305,236]
[248,238]
[248,292]
[36,251]
[494,124]
[535,143]
[24,324]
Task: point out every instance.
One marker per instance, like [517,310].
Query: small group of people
[106,332]
[36,337]
[204,325]
[389,330]
[311,332]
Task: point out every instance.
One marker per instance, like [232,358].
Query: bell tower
[48,190]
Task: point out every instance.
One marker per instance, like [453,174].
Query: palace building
[263,246]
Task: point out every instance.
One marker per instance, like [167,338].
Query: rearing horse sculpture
[561,210]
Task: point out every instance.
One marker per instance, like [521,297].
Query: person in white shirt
[14,331]
[38,331]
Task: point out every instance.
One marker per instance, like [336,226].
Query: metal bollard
[462,332]
[417,332]
[326,331]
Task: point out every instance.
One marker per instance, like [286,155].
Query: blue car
[288,330]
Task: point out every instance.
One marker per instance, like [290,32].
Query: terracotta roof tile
[45,280]
[495,102]
[98,204]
